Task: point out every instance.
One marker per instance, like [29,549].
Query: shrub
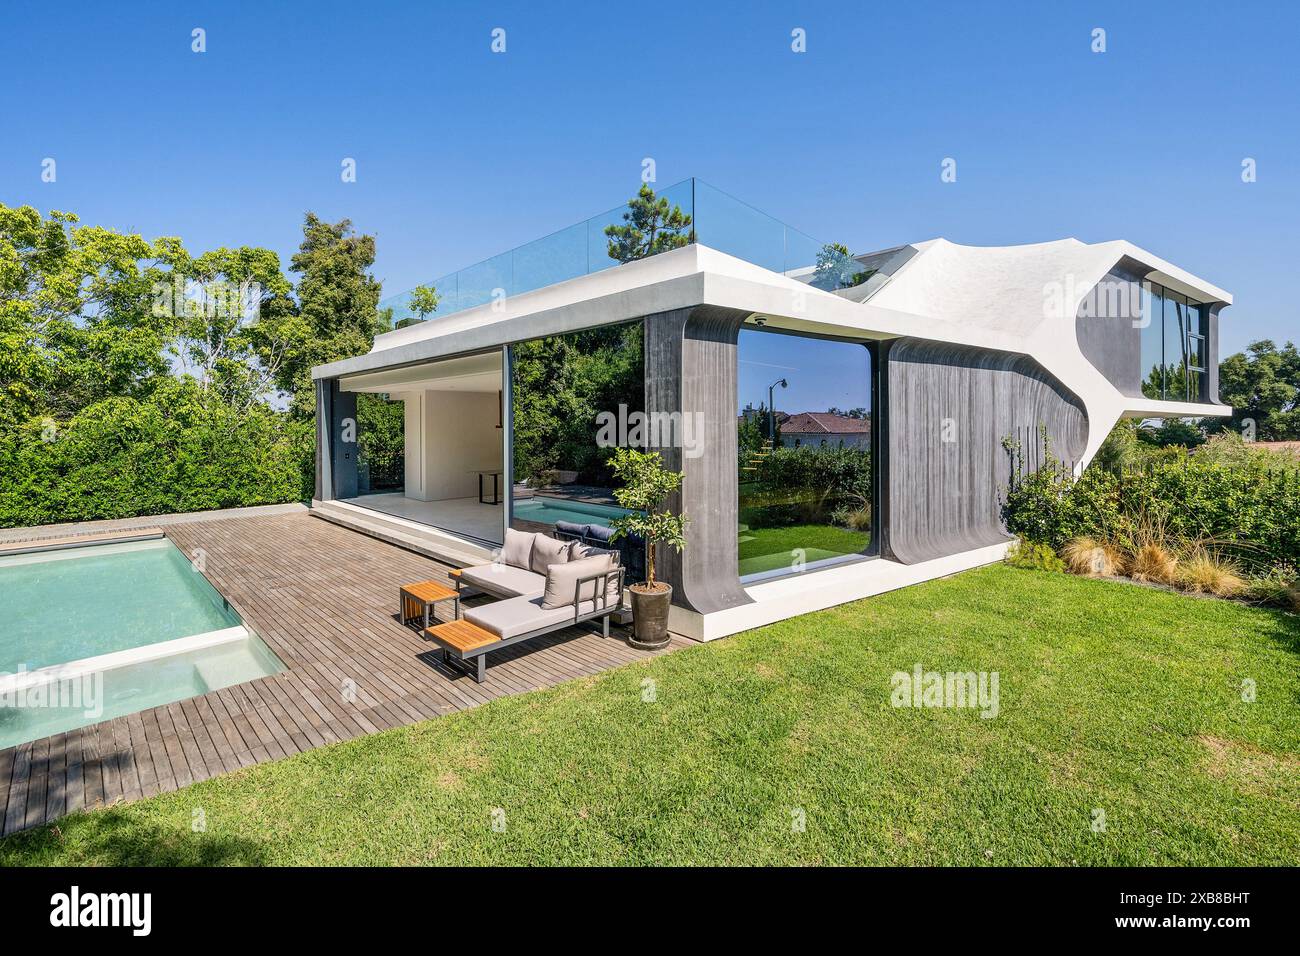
[1038,557]
[811,485]
[1251,500]
[1153,562]
[179,449]
[1088,556]
[1203,572]
[860,519]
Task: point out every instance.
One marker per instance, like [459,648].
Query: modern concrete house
[951,348]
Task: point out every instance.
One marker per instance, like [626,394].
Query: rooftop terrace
[712,218]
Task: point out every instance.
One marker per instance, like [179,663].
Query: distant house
[825,429]
[1291,447]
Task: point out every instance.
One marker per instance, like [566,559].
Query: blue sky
[462,153]
[819,374]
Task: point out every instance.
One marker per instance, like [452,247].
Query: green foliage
[809,485]
[338,306]
[1251,503]
[751,434]
[77,322]
[1262,384]
[1120,449]
[424,299]
[1035,557]
[651,226]
[227,318]
[96,422]
[834,472]
[560,385]
[1172,431]
[381,441]
[177,449]
[646,486]
[836,268]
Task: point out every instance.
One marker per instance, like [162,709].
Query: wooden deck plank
[335,626]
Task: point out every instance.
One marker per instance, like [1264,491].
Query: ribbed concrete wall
[690,357]
[948,409]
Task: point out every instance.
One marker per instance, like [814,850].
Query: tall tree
[1262,384]
[651,225]
[230,315]
[338,305]
[77,316]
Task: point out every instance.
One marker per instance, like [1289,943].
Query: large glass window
[381,445]
[804,452]
[1173,344]
[574,399]
[1153,342]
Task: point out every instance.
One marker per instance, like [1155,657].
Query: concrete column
[690,357]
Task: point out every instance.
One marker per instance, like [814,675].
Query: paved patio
[325,599]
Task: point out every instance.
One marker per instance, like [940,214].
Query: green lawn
[1113,697]
[766,549]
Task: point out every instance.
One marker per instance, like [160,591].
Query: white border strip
[12,683]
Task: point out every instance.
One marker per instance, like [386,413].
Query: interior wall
[458,436]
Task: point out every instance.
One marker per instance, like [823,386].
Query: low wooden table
[416,600]
[463,642]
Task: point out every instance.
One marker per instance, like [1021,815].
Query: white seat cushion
[516,616]
[521,615]
[504,580]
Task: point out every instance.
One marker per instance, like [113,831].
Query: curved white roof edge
[1010,287]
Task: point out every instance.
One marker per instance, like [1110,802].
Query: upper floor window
[1174,351]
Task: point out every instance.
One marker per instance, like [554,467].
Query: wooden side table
[417,601]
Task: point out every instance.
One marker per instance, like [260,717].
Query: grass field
[1113,699]
[766,549]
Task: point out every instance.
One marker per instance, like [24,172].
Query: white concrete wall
[449,435]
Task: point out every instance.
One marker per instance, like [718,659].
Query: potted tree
[646,483]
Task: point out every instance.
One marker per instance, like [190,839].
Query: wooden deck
[325,599]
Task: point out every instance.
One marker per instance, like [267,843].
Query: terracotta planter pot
[650,615]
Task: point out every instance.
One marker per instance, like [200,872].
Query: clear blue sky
[462,153]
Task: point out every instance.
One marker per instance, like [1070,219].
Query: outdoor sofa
[542,585]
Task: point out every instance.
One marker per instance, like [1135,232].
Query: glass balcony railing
[715,219]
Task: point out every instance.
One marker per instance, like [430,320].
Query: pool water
[124,690]
[102,631]
[550,510]
[60,606]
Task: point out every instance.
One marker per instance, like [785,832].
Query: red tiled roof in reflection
[824,423]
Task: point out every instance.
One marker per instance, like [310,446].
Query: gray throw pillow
[562,580]
[518,549]
[548,551]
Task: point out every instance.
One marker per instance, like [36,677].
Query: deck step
[421,539]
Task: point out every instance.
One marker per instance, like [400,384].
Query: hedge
[176,450]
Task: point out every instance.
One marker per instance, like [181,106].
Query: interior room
[431,445]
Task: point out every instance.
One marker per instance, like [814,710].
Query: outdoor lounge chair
[543,585]
[594,595]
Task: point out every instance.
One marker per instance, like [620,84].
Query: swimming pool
[550,510]
[101,631]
